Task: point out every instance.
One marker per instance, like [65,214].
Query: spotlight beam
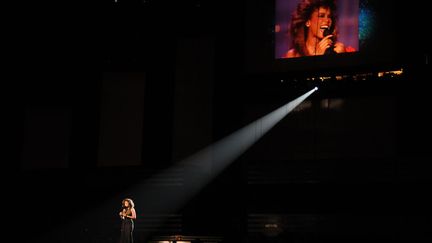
[200,168]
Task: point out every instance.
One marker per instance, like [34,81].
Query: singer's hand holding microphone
[326,44]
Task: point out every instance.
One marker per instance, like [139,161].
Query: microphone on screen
[327,32]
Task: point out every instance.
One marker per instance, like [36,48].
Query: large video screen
[316,27]
[308,35]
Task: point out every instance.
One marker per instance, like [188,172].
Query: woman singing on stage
[128,215]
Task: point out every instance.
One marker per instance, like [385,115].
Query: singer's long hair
[131,205]
[301,15]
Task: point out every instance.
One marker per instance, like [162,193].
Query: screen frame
[260,43]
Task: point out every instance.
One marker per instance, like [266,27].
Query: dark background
[105,95]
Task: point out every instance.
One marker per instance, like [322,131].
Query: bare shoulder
[339,47]
[291,53]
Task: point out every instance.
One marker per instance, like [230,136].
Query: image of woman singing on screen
[313,29]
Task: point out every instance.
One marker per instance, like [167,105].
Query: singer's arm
[133,214]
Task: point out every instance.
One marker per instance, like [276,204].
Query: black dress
[127,226]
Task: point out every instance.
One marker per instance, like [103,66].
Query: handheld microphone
[326,32]
[330,49]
